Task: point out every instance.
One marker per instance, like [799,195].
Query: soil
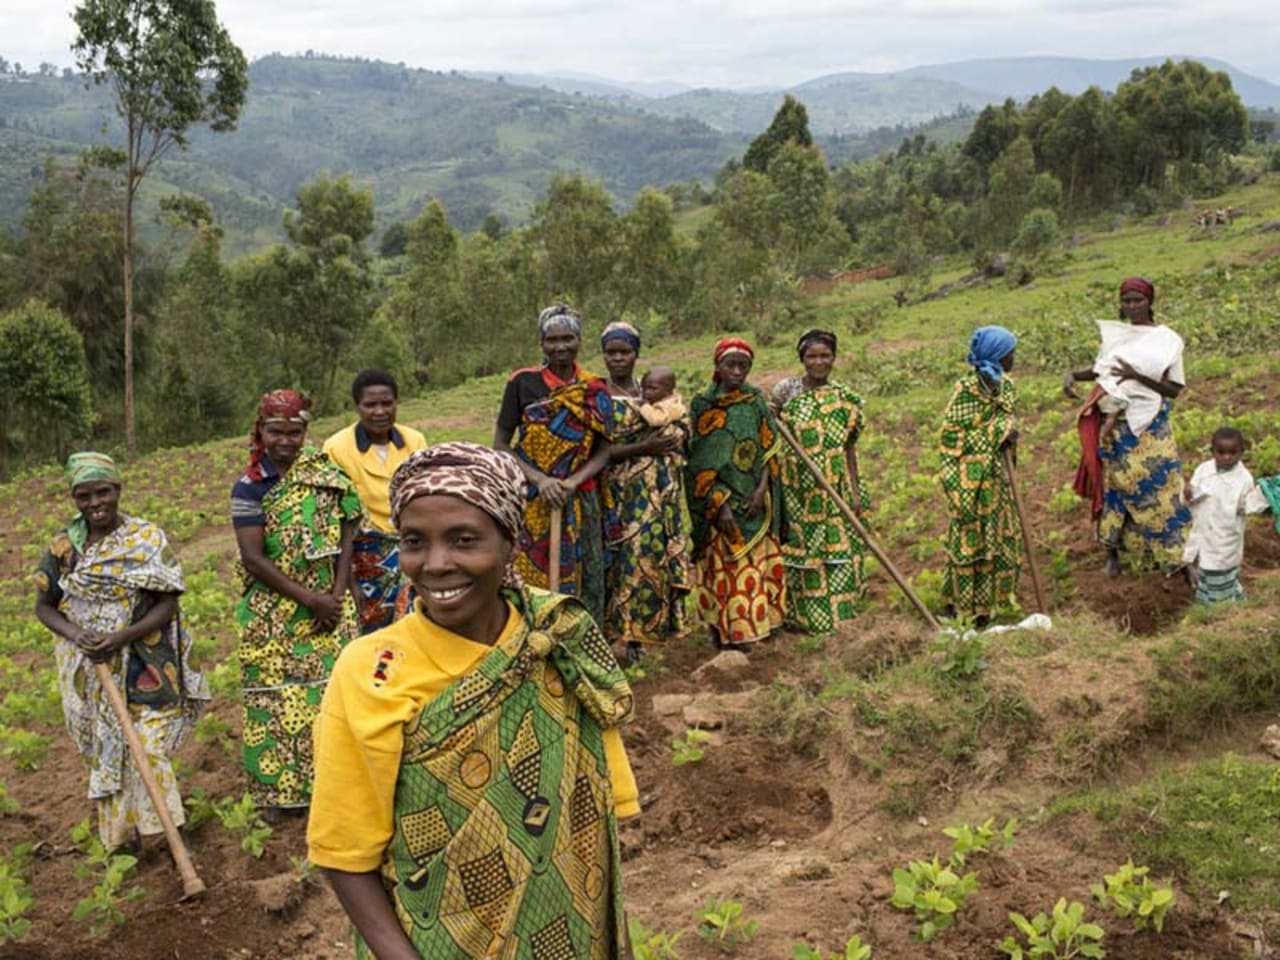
[799,832]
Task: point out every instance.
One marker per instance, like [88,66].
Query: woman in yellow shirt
[469,770]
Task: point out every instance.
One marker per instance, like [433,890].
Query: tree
[44,385]
[994,130]
[171,66]
[790,125]
[649,271]
[577,230]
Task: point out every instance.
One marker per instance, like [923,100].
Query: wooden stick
[1036,586]
[858,526]
[553,560]
[192,885]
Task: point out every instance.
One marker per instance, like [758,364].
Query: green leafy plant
[854,949]
[934,892]
[722,923]
[15,896]
[102,907]
[1129,892]
[690,747]
[961,656]
[211,728]
[967,841]
[25,748]
[8,805]
[649,944]
[201,808]
[1060,937]
[241,818]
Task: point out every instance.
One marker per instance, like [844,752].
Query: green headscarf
[87,466]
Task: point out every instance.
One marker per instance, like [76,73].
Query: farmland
[1128,731]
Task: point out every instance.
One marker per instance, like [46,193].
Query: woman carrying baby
[1131,471]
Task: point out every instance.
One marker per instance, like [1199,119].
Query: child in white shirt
[1221,492]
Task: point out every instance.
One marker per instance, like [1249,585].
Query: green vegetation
[649,944]
[16,900]
[854,949]
[690,747]
[240,817]
[1129,892]
[111,871]
[723,923]
[933,892]
[1060,937]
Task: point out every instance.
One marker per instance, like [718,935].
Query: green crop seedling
[1129,892]
[1060,937]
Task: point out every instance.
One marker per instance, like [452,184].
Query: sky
[743,43]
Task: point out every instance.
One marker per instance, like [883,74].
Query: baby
[1147,350]
[663,406]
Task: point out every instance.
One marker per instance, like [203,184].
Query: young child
[1220,493]
[663,407]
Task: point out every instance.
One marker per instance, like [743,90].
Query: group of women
[462,765]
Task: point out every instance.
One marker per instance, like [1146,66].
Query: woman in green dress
[983,544]
[295,515]
[822,552]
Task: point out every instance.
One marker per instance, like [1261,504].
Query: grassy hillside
[1129,729]
[409,134]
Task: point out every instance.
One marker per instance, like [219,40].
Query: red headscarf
[1140,284]
[287,405]
[731,345]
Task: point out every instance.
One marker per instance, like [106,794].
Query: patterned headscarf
[727,347]
[988,347]
[559,316]
[89,466]
[489,479]
[1142,285]
[281,406]
[810,337]
[621,330]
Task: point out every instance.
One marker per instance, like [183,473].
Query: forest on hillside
[215,330]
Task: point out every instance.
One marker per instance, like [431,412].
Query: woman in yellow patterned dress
[108,588]
[983,546]
[822,552]
[295,514]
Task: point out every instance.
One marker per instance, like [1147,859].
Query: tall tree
[171,65]
[790,125]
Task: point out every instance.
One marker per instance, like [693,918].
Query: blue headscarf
[988,347]
[621,330]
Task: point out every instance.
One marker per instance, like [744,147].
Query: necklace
[632,390]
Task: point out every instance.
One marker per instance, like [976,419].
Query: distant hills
[490,144]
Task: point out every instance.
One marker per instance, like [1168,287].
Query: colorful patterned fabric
[648,569]
[88,466]
[557,435]
[490,479]
[742,598]
[1219,586]
[1142,507]
[384,597]
[988,346]
[284,662]
[822,552]
[505,842]
[814,335]
[741,584]
[103,588]
[983,539]
[287,406]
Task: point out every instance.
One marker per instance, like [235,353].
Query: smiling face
[818,360]
[282,440]
[560,347]
[456,556]
[620,359]
[376,409]
[99,504]
[733,369]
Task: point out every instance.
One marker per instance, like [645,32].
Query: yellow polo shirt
[351,449]
[380,682]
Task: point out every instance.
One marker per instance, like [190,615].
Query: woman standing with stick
[108,587]
[823,553]
[983,547]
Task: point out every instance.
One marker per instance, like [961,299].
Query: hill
[1131,728]
[484,147]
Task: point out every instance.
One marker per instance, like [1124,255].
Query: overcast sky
[708,42]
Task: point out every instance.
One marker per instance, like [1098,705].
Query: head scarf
[988,347]
[621,330]
[280,406]
[810,337]
[89,466]
[489,479]
[1142,285]
[559,316]
[727,347]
